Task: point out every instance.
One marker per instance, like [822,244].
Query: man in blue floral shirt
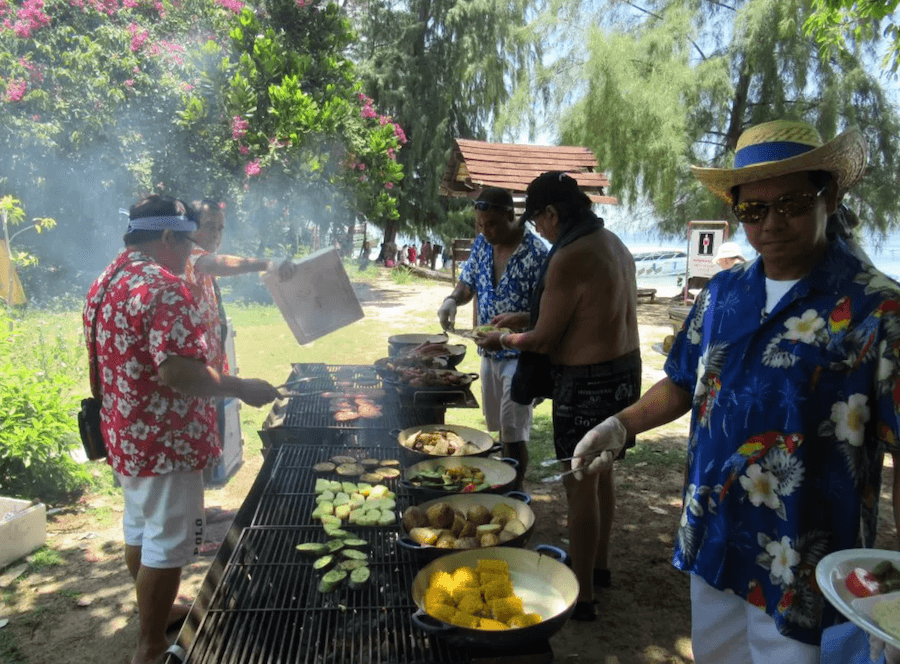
[789,365]
[502,271]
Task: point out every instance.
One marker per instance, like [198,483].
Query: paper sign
[704,240]
[319,299]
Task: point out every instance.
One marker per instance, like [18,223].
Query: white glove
[600,446]
[877,647]
[447,313]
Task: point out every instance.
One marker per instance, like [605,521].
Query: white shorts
[164,516]
[727,629]
[501,413]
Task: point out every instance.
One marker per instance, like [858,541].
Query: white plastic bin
[23,528]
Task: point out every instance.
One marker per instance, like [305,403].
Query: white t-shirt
[775,290]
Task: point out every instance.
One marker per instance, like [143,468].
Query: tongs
[285,392]
[569,472]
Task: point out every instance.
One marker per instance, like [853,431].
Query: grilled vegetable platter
[498,597]
[466,521]
[441,440]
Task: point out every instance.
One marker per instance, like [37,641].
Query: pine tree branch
[658,17]
[720,4]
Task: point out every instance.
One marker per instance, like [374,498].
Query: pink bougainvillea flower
[239,127]
[388,185]
[252,168]
[244,149]
[129,82]
[301,3]
[399,133]
[15,90]
[232,5]
[362,167]
[138,36]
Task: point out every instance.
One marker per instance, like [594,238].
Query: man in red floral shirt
[157,417]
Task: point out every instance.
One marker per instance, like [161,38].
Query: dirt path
[78,606]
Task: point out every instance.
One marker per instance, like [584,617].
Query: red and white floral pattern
[148,315]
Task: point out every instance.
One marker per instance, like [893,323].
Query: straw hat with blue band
[778,148]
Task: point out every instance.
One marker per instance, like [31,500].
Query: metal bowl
[545,585]
[500,473]
[518,500]
[480,439]
[397,342]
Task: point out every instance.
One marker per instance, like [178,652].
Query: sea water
[884,253]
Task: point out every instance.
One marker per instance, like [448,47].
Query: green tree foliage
[676,83]
[836,23]
[103,101]
[445,69]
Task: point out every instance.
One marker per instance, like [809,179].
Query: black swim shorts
[585,395]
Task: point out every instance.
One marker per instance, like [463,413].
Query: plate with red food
[864,585]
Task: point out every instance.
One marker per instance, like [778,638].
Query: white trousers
[726,629]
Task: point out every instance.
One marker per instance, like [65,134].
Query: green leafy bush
[37,411]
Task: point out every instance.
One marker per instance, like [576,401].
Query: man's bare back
[591,297]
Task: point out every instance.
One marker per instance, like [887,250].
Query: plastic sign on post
[704,240]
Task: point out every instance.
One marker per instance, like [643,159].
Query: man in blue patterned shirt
[789,365]
[502,271]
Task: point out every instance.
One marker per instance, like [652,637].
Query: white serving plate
[831,575]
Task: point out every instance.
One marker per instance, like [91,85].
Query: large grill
[260,600]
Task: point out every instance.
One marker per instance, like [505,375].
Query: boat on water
[660,267]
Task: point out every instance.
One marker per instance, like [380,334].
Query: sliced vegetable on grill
[349,487]
[341,499]
[380,491]
[333,546]
[364,488]
[387,518]
[343,458]
[324,467]
[324,563]
[326,495]
[331,520]
[390,462]
[332,580]
[350,565]
[359,577]
[339,533]
[350,469]
[354,554]
[325,508]
[343,511]
[356,543]
[370,463]
[372,477]
[389,473]
[311,548]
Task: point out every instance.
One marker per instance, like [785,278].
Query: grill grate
[309,419]
[267,606]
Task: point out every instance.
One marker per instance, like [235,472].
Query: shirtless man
[503,271]
[588,326]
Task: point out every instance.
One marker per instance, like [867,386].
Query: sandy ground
[82,611]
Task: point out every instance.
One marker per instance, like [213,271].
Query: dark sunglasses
[789,205]
[484,206]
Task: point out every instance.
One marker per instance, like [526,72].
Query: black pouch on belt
[89,428]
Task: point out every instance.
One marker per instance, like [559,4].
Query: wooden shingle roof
[477,164]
